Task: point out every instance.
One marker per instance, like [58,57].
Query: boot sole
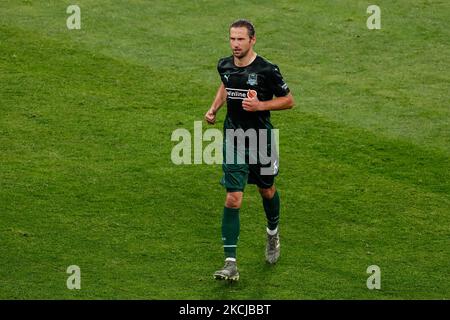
[230,279]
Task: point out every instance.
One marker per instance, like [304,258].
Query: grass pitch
[85,171]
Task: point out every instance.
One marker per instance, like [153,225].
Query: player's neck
[245,61]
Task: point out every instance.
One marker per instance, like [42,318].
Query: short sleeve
[278,85]
[220,69]
[218,66]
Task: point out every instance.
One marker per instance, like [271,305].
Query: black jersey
[262,76]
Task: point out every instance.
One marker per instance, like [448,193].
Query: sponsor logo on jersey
[252,79]
[233,93]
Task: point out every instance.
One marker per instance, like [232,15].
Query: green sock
[230,231]
[272,209]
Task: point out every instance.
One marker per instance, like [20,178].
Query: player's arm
[252,103]
[219,100]
[283,97]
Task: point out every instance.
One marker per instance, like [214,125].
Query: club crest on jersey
[252,79]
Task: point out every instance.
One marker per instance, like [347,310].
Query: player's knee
[267,193]
[233,200]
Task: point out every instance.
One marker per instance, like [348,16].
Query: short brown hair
[244,23]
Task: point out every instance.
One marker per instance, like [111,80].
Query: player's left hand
[251,103]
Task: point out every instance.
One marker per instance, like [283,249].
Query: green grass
[86,176]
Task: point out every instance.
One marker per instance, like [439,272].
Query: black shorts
[236,176]
[249,163]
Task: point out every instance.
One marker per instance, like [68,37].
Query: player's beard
[240,54]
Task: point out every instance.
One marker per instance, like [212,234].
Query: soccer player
[249,84]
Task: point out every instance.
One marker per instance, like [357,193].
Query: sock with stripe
[230,231]
[272,209]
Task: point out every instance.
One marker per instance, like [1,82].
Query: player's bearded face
[240,42]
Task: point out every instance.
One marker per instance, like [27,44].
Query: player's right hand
[210,117]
